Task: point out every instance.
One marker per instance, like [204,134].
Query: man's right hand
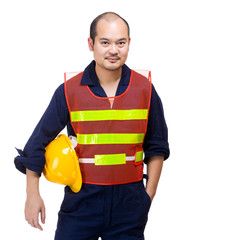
[34,205]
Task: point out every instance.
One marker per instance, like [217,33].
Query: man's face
[111,45]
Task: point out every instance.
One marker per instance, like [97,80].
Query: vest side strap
[92,160]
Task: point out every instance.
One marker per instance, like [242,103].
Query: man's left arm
[156,146]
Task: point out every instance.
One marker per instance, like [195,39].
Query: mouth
[112,59]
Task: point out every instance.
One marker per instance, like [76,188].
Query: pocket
[70,202]
[146,196]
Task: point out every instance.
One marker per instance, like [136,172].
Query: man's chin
[112,67]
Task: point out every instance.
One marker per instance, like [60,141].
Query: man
[112,203]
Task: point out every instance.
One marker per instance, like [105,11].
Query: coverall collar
[90,78]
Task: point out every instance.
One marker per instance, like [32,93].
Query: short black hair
[93,26]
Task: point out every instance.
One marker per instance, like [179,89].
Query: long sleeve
[156,138]
[55,118]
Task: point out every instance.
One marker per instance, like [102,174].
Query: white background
[200,54]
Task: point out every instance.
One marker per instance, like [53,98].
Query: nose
[113,49]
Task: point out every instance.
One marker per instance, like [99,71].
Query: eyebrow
[106,39]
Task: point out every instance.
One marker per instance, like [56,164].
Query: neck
[106,76]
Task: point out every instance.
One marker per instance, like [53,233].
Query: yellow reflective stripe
[102,115]
[139,156]
[110,138]
[110,159]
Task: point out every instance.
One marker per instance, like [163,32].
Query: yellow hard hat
[62,165]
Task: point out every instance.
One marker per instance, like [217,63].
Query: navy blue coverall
[111,212]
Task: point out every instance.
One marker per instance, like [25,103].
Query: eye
[121,44]
[105,43]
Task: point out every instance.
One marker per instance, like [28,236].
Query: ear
[90,44]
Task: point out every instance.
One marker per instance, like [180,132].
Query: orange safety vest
[110,130]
